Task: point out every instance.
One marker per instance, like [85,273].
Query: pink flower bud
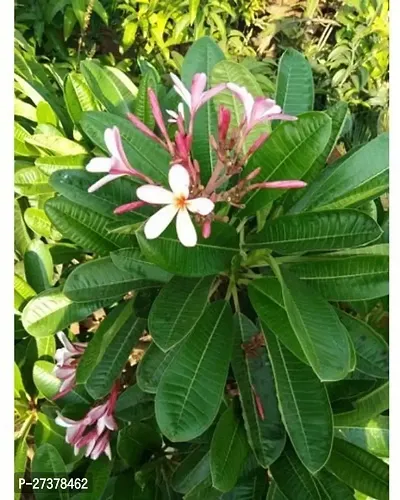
[128,207]
[156,110]
[224,120]
[257,143]
[206,229]
[278,185]
[142,127]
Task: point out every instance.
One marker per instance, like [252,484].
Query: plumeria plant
[220,298]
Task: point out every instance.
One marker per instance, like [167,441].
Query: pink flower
[224,120]
[259,109]
[197,95]
[92,431]
[67,358]
[177,204]
[116,166]
[175,116]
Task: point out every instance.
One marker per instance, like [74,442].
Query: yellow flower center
[180,201]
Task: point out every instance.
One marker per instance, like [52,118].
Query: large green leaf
[228,450]
[292,478]
[50,164]
[109,350]
[84,227]
[371,349]
[331,488]
[202,56]
[47,462]
[142,104]
[177,309]
[372,436]
[366,407]
[131,261]
[22,292]
[78,97]
[329,353]
[101,278]
[142,152]
[52,311]
[21,236]
[152,367]
[74,184]
[134,405]
[56,144]
[338,114]
[304,405]
[330,230]
[97,474]
[359,469]
[37,220]
[191,471]
[274,493]
[253,374]
[30,181]
[134,440]
[295,86]
[38,266]
[104,88]
[359,176]
[251,486]
[189,394]
[347,277]
[288,154]
[209,256]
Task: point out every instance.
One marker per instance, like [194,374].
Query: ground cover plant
[201,290]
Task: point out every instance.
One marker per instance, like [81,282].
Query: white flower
[177,203]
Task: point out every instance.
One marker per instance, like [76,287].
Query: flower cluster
[187,193]
[93,431]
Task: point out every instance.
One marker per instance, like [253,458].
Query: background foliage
[76,57]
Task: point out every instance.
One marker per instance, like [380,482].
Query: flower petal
[159,221]
[110,137]
[198,85]
[181,90]
[154,194]
[209,94]
[99,165]
[185,229]
[282,116]
[65,341]
[202,206]
[178,178]
[172,113]
[65,421]
[103,181]
[245,96]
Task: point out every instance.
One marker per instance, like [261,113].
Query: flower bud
[224,120]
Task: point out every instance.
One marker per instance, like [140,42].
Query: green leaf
[304,404]
[97,474]
[359,469]
[359,176]
[295,86]
[109,350]
[196,377]
[78,97]
[228,451]
[152,367]
[21,455]
[134,440]
[38,266]
[30,181]
[251,486]
[288,154]
[203,490]
[177,309]
[292,478]
[124,84]
[56,144]
[274,493]
[101,278]
[84,227]
[50,164]
[193,10]
[100,11]
[371,349]
[104,88]
[48,462]
[142,103]
[202,56]
[22,292]
[372,436]
[131,261]
[330,230]
[46,347]
[63,253]
[45,114]
[346,277]
[210,256]
[366,407]
[332,488]
[143,153]
[52,311]
[338,114]
[21,236]
[253,374]
[21,148]
[194,469]
[134,405]
[37,220]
